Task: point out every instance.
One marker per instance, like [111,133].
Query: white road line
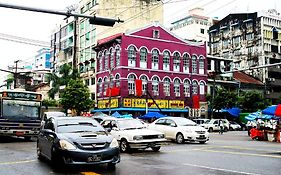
[17,162]
[219,169]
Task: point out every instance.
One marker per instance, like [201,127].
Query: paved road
[230,153]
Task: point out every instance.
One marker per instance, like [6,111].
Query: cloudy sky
[38,26]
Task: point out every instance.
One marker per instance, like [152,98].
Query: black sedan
[77,140]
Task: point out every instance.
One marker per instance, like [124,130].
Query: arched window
[99,86]
[105,84]
[166,61]
[144,84]
[166,86]
[132,54]
[201,65]
[202,88]
[186,86]
[118,53]
[155,59]
[177,84]
[131,83]
[186,59]
[155,85]
[106,60]
[112,53]
[194,64]
[143,58]
[194,88]
[100,61]
[117,80]
[176,62]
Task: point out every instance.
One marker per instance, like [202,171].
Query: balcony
[273,69]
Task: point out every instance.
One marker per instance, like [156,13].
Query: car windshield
[232,122]
[184,122]
[55,114]
[79,126]
[130,124]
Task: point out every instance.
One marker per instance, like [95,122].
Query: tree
[76,96]
[222,99]
[66,73]
[251,101]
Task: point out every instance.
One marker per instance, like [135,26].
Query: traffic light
[103,21]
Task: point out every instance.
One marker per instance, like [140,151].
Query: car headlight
[161,136]
[65,145]
[114,143]
[137,137]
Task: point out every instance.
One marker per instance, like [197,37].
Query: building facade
[135,13]
[172,71]
[250,40]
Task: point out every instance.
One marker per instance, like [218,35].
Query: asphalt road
[230,153]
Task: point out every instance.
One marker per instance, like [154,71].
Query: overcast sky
[38,26]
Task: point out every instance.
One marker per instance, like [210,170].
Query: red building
[172,72]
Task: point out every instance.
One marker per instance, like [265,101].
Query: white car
[133,134]
[180,129]
[213,125]
[234,126]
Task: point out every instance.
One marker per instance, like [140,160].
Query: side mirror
[108,129]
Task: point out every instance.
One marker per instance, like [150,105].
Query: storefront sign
[140,103]
[105,103]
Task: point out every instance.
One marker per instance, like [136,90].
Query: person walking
[221,126]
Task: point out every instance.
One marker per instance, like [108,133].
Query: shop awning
[139,109]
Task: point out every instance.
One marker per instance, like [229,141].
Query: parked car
[201,121]
[213,125]
[77,140]
[180,129]
[133,134]
[233,126]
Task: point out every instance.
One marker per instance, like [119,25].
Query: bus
[20,113]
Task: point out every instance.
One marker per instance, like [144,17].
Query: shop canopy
[233,111]
[258,115]
[273,110]
[151,115]
[116,114]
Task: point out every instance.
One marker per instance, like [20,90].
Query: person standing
[221,126]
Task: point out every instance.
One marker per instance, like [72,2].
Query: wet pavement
[230,153]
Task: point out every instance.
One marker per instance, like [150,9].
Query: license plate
[18,133]
[94,158]
[201,136]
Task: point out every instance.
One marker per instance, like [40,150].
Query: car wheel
[111,165]
[202,142]
[156,148]
[211,130]
[225,129]
[179,138]
[124,146]
[231,129]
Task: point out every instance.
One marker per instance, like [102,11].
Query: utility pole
[16,74]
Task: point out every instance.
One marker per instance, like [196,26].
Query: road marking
[219,169]
[243,154]
[17,162]
[244,148]
[89,173]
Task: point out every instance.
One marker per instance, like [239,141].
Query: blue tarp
[258,115]
[116,114]
[270,110]
[233,111]
[150,115]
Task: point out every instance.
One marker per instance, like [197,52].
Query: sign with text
[105,103]
[140,103]
[21,95]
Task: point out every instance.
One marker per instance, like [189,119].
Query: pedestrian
[221,126]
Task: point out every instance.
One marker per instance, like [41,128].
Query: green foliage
[76,96]
[224,99]
[252,101]
[66,73]
[50,103]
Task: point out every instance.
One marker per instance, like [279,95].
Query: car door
[170,128]
[49,137]
[159,125]
[216,125]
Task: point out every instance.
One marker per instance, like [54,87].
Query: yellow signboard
[140,103]
[105,103]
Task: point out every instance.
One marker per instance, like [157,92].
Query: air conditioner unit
[267,92]
[143,92]
[271,79]
[178,94]
[104,93]
[186,94]
[131,92]
[155,93]
[167,94]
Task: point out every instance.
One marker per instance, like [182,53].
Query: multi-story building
[63,44]
[42,63]
[195,26]
[251,39]
[172,71]
[135,13]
